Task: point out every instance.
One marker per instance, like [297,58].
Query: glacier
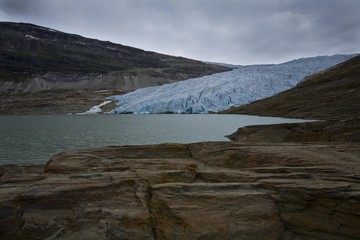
[221,91]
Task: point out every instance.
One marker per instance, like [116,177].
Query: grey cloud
[247,31]
[18,6]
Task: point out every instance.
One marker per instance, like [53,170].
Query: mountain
[221,91]
[35,58]
[328,95]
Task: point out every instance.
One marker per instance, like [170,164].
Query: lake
[34,139]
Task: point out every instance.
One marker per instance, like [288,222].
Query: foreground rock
[213,190]
[319,131]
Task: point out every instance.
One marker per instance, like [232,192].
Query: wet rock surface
[210,190]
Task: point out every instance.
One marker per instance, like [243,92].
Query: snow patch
[47,29]
[95,109]
[32,37]
[82,43]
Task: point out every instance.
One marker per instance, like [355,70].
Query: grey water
[34,139]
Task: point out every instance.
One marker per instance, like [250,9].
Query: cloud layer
[232,31]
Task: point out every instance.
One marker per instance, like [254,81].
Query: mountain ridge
[35,58]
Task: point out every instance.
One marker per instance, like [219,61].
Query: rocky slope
[35,58]
[331,94]
[60,101]
[213,190]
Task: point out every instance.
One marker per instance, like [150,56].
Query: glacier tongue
[221,91]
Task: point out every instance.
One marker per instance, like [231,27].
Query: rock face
[211,190]
[35,58]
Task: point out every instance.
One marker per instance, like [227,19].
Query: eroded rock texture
[213,190]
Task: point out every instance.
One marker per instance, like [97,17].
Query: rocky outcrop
[319,131]
[211,190]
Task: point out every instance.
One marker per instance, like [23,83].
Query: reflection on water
[34,139]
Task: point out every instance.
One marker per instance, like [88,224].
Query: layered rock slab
[211,190]
[214,211]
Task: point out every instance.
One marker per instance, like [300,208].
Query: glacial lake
[34,139]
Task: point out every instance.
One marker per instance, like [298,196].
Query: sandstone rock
[214,211]
[211,190]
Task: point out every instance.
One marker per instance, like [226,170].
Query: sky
[226,31]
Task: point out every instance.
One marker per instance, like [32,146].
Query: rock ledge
[210,190]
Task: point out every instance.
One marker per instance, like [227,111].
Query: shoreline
[288,190]
[45,135]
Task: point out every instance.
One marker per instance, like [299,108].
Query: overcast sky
[229,31]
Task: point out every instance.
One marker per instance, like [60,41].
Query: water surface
[34,139]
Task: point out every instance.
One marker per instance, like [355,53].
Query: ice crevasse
[217,92]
